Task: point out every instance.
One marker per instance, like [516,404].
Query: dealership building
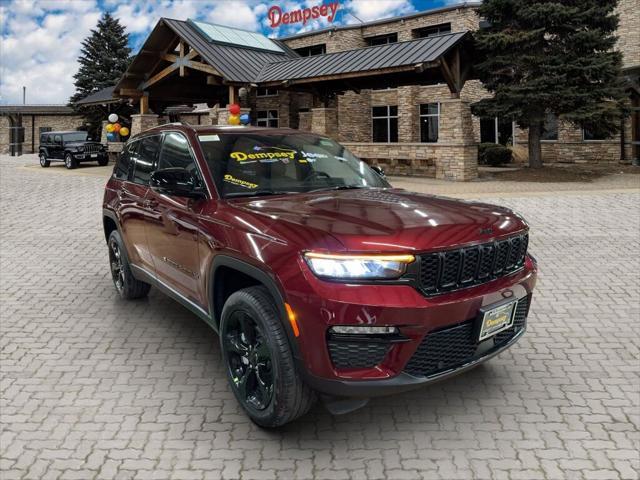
[397,92]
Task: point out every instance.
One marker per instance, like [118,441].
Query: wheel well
[109,226]
[228,280]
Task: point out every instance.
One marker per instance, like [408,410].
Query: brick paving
[93,387]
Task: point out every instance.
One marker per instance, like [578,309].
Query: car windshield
[75,137]
[260,164]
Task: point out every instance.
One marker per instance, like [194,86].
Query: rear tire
[70,162]
[259,362]
[126,284]
[44,163]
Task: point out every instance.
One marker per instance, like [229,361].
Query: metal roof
[36,109]
[101,96]
[379,57]
[236,64]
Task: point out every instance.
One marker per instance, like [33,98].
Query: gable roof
[97,98]
[392,55]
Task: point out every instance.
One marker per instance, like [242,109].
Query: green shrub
[493,154]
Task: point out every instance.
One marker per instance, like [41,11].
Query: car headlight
[80,149]
[357,267]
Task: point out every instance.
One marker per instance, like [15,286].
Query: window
[382,39]
[266,92]
[267,118]
[385,123]
[177,154]
[429,122]
[550,127]
[312,50]
[496,130]
[594,133]
[146,158]
[43,130]
[123,166]
[57,139]
[432,30]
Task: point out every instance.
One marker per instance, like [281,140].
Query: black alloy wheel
[117,267]
[44,163]
[69,161]
[249,360]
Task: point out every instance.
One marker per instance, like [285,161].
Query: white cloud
[39,48]
[368,10]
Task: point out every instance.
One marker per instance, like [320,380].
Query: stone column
[354,116]
[324,121]
[304,121]
[103,132]
[457,157]
[142,122]
[408,114]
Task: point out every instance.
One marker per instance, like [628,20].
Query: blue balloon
[245,119]
[111,137]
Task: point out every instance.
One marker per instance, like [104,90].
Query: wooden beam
[130,92]
[144,104]
[181,63]
[203,67]
[159,76]
[232,95]
[449,77]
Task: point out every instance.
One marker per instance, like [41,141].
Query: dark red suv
[319,277]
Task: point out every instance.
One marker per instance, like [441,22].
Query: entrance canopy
[193,62]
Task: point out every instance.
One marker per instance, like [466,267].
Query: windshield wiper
[337,187]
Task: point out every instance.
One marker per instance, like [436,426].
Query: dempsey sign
[277,17]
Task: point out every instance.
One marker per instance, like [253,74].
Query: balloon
[124,131]
[116,127]
[111,137]
[113,118]
[109,127]
[234,109]
[245,119]
[234,120]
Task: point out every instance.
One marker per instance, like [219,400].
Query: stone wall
[140,123]
[629,31]
[32,125]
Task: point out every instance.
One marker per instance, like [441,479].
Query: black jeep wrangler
[70,148]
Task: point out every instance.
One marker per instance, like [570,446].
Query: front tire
[70,162]
[103,162]
[44,163]
[259,362]
[126,284]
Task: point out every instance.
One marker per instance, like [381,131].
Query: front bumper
[402,382]
[418,318]
[89,156]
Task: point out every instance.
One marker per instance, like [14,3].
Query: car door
[134,213]
[173,232]
[56,148]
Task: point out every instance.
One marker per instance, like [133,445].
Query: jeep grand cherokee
[319,277]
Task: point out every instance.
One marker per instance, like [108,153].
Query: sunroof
[243,38]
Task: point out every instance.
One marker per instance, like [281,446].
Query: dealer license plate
[94,155]
[497,319]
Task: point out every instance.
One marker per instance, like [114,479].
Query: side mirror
[177,182]
[378,170]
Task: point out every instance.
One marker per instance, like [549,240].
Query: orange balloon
[116,127]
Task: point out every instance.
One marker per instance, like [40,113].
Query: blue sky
[41,39]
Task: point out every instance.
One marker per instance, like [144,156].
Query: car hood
[81,144]
[386,220]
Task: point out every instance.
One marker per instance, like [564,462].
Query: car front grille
[452,347]
[92,148]
[450,270]
[354,354]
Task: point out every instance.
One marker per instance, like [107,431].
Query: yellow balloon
[110,127]
[234,120]
[124,131]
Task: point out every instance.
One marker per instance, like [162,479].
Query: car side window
[123,166]
[176,154]
[57,139]
[146,158]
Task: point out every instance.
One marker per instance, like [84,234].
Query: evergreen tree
[550,56]
[103,59]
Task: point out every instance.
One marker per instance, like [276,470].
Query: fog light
[363,330]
